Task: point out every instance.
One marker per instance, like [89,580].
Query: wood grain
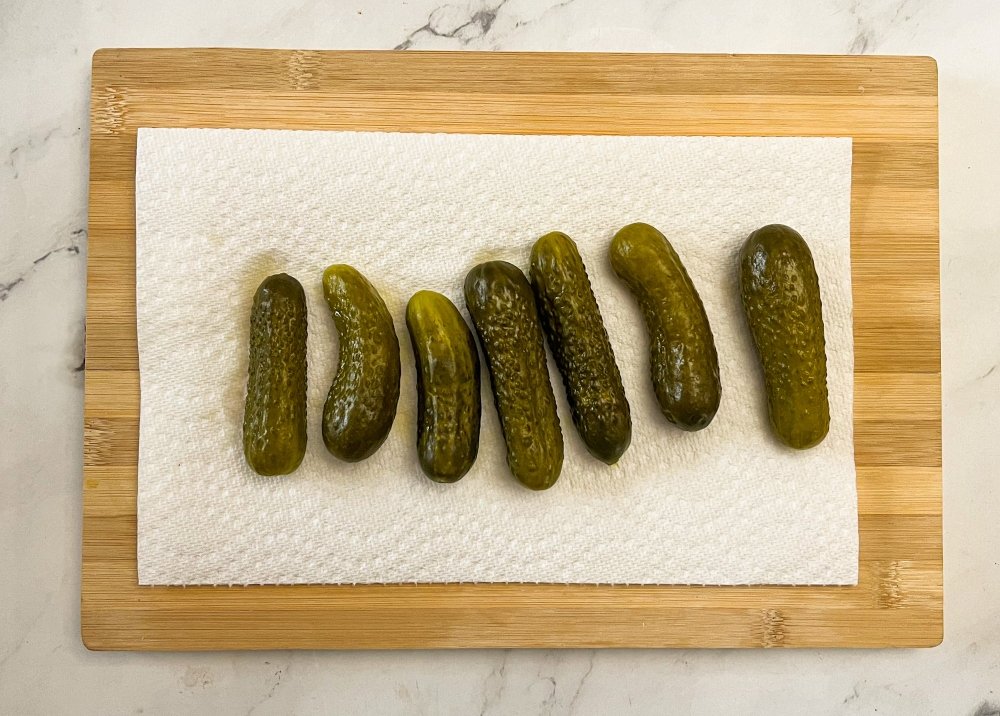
[887,104]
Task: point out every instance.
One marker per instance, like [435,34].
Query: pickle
[503,311]
[781,299]
[573,325]
[683,361]
[448,386]
[274,421]
[361,405]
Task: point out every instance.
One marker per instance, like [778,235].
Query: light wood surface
[887,104]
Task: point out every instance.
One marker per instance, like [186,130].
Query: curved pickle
[684,365]
[361,404]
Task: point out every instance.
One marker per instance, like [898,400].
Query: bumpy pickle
[684,365]
[503,311]
[781,299]
[274,420]
[448,387]
[361,404]
[573,325]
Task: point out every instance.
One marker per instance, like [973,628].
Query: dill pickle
[448,386]
[502,306]
[573,325]
[274,420]
[780,292]
[683,361]
[361,404]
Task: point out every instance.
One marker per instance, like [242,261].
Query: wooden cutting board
[887,104]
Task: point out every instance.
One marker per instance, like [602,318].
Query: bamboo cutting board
[887,104]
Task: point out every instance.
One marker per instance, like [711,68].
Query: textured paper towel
[218,210]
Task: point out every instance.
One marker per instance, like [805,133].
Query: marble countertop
[45,51]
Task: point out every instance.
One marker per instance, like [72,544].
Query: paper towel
[218,210]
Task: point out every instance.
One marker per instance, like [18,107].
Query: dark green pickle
[448,386]
[274,420]
[579,341]
[683,361]
[361,404]
[780,292]
[502,306]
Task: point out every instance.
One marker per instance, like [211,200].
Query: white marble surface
[45,50]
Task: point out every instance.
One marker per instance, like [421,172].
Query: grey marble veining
[478,26]
[45,53]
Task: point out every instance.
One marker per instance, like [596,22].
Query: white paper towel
[218,210]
